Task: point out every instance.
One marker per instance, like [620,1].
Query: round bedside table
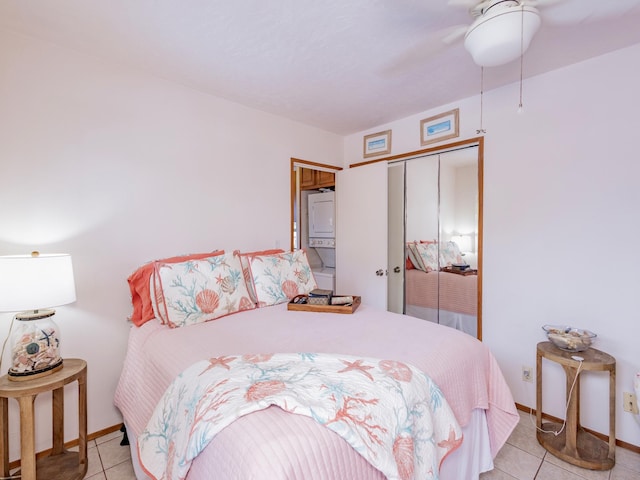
[575,445]
[60,464]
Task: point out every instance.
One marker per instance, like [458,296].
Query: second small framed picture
[377,144]
[440,127]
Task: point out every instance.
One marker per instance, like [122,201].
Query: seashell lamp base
[35,346]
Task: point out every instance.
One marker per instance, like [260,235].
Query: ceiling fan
[502,30]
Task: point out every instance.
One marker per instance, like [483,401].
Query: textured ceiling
[334,64]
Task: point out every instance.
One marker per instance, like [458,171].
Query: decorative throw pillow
[413,257]
[449,254]
[245,260]
[408,264]
[280,277]
[142,297]
[197,291]
[428,254]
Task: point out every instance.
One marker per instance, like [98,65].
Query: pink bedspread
[443,290]
[463,368]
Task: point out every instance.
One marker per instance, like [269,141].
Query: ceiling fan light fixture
[501,37]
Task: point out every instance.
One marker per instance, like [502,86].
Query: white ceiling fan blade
[469,4]
[425,50]
[573,12]
[540,3]
[456,33]
[463,3]
[478,5]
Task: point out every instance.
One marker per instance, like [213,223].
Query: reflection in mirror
[442,226]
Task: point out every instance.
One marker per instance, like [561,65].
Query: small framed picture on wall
[377,144]
[440,127]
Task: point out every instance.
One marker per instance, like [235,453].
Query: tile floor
[522,458]
[108,460]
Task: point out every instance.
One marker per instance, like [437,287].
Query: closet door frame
[441,149]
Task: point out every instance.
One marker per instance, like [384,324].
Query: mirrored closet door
[440,237]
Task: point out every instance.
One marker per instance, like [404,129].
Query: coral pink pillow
[139,285]
[408,264]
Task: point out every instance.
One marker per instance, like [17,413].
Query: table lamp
[32,284]
[463,242]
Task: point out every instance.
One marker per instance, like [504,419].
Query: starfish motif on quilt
[219,362]
[452,442]
[357,366]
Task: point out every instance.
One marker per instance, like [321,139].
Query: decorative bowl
[569,339]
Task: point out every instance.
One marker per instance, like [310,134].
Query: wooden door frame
[306,164]
[479,141]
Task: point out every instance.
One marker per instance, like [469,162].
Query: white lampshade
[463,242]
[501,35]
[34,282]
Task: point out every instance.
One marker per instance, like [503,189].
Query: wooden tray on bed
[457,271]
[306,307]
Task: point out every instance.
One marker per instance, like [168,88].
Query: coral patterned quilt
[389,411]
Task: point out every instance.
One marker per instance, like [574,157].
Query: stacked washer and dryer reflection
[322,237]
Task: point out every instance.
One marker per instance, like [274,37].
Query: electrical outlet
[527,374]
[630,403]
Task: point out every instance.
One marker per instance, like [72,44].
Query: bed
[435,294]
[272,442]
[442,297]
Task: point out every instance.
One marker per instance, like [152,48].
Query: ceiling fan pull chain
[520,108]
[481,129]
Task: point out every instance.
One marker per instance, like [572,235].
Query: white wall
[560,219]
[119,168]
